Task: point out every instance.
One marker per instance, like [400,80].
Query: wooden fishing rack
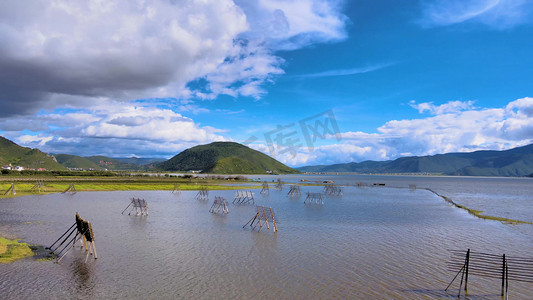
[71,189]
[244,197]
[220,203]
[262,217]
[203,194]
[333,190]
[315,198]
[294,191]
[39,185]
[488,265]
[177,189]
[279,185]
[11,189]
[266,188]
[140,206]
[82,231]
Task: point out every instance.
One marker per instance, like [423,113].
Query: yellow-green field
[27,185]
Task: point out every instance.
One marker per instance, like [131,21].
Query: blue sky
[306,81]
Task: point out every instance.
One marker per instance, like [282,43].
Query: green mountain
[15,155]
[513,162]
[224,158]
[76,162]
[98,163]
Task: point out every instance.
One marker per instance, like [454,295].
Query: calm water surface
[372,243]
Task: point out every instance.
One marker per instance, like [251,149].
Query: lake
[386,242]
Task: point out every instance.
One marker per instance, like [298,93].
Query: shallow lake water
[372,243]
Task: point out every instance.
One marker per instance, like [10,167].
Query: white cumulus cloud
[452,127]
[77,53]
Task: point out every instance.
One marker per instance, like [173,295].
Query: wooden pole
[273,220]
[503,275]
[251,220]
[466,268]
[126,208]
[85,243]
[506,280]
[62,236]
[266,219]
[94,250]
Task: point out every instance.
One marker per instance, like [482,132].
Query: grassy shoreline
[479,213]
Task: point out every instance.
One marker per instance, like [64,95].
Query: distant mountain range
[234,158]
[513,162]
[218,157]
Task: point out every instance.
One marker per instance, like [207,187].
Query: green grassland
[26,185]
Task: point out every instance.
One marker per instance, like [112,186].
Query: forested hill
[14,155]
[225,158]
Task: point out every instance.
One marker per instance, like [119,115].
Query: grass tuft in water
[12,250]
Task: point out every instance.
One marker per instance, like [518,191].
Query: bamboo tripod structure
[294,191]
[140,206]
[71,189]
[219,203]
[177,189]
[265,189]
[333,190]
[203,194]
[37,187]
[279,185]
[11,189]
[261,218]
[316,197]
[244,197]
[81,231]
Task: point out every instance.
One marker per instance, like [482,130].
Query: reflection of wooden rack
[261,218]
